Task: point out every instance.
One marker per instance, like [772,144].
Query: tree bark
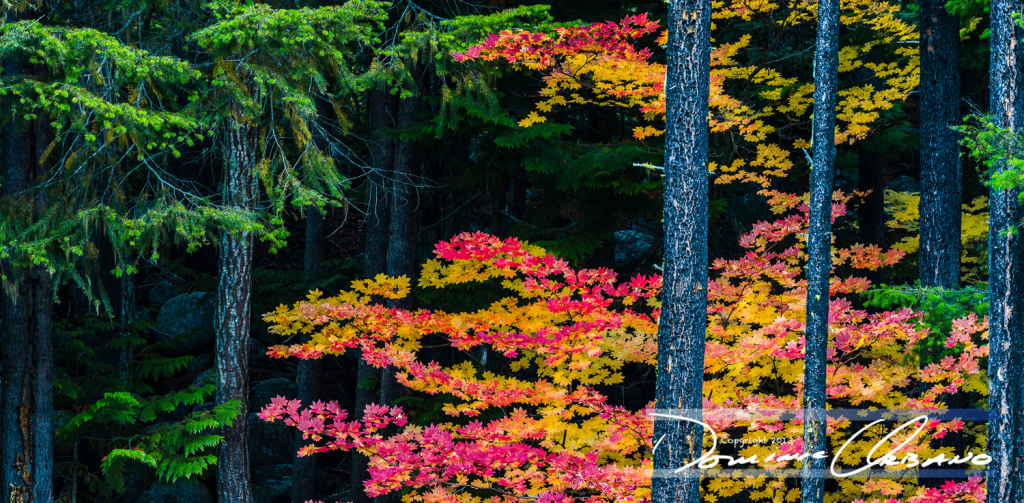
[402,245]
[681,334]
[26,436]
[383,108]
[819,248]
[310,371]
[1004,252]
[232,323]
[939,255]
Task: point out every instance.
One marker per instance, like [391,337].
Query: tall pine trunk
[402,245]
[1004,252]
[681,334]
[404,225]
[939,255]
[304,473]
[383,108]
[232,323]
[26,436]
[819,248]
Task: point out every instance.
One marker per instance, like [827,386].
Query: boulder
[201,362]
[272,484]
[258,357]
[161,293]
[269,443]
[904,184]
[264,391]
[188,317]
[631,248]
[182,491]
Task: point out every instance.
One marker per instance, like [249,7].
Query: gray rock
[269,443]
[201,378]
[904,184]
[272,483]
[631,248]
[263,392]
[161,293]
[189,316]
[182,491]
[258,356]
[201,362]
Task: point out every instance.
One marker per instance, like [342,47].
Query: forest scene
[447,251]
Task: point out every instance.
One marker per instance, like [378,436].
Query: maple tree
[600,64]
[544,430]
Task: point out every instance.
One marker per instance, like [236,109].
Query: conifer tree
[939,255]
[1006,284]
[681,332]
[819,248]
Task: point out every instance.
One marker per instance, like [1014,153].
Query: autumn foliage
[544,430]
[754,101]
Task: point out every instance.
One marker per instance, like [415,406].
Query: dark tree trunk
[404,214]
[232,323]
[402,246]
[871,177]
[819,247]
[304,473]
[939,255]
[378,209]
[871,225]
[383,108]
[26,437]
[681,337]
[1006,96]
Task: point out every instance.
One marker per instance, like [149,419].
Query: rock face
[263,392]
[182,491]
[269,443]
[189,316]
[631,248]
[161,293]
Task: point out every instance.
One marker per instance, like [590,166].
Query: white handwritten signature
[710,459]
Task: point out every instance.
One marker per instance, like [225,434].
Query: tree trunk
[26,436]
[233,304]
[939,255]
[681,334]
[304,473]
[871,224]
[378,208]
[378,228]
[402,246]
[1004,252]
[819,248]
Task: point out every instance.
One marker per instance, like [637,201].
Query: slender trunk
[232,323]
[499,206]
[681,334]
[1004,252]
[304,473]
[378,227]
[126,315]
[939,255]
[819,247]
